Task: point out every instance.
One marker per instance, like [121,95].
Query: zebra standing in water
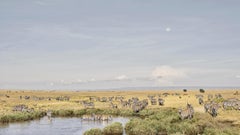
[186,113]
[49,115]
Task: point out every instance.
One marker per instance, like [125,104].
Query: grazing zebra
[113,105]
[22,108]
[210,97]
[207,106]
[161,101]
[214,111]
[211,108]
[153,101]
[231,104]
[218,96]
[199,96]
[125,103]
[140,105]
[27,97]
[200,101]
[186,113]
[88,104]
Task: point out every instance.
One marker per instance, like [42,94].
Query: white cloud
[92,80]
[238,76]
[121,77]
[168,72]
[166,75]
[168,29]
[40,2]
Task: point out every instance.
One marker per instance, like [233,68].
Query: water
[58,126]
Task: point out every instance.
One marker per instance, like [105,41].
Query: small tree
[202,90]
[184,90]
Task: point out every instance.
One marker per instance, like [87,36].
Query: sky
[93,44]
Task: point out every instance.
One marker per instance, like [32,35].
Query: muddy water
[57,126]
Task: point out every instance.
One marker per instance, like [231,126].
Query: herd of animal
[95,117]
[211,105]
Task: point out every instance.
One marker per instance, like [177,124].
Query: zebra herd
[119,101]
[22,108]
[232,103]
[213,104]
[94,117]
[36,98]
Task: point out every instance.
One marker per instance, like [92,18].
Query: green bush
[163,122]
[94,131]
[20,117]
[79,112]
[114,129]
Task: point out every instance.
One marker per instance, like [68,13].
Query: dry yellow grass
[6,104]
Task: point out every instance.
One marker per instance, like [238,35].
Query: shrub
[202,90]
[184,90]
[164,122]
[63,113]
[114,129]
[93,131]
[79,112]
[20,117]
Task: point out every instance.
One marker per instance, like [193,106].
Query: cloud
[167,75]
[121,77]
[168,29]
[168,72]
[40,2]
[238,76]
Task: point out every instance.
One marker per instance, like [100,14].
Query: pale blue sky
[93,44]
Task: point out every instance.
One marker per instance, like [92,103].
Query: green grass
[113,129]
[94,131]
[168,122]
[21,117]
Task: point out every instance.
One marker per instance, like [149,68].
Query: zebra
[49,114]
[106,118]
[214,109]
[186,113]
[153,101]
[232,103]
[161,101]
[207,106]
[210,97]
[113,105]
[200,101]
[199,96]
[125,103]
[22,108]
[88,104]
[140,105]
[211,108]
[218,96]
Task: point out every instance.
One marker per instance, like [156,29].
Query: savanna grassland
[226,122]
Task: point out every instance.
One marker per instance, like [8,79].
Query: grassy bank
[16,117]
[163,119]
[19,116]
[167,122]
